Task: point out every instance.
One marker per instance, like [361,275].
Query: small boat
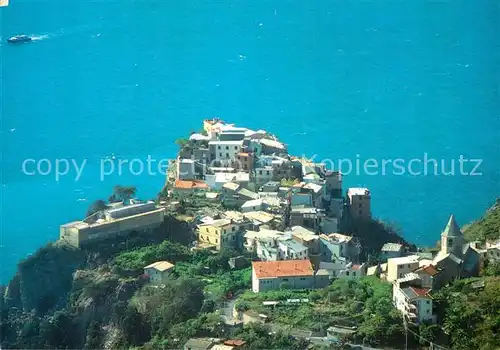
[19,39]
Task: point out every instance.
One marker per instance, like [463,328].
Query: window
[236,147]
[227,155]
[409,266]
[260,172]
[238,157]
[361,205]
[400,275]
[216,240]
[233,228]
[218,147]
[227,147]
[284,279]
[347,273]
[234,238]
[354,273]
[267,172]
[428,302]
[360,212]
[206,229]
[224,231]
[220,154]
[450,241]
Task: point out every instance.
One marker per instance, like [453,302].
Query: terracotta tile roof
[235,342]
[243,154]
[429,269]
[184,184]
[355,267]
[284,268]
[421,292]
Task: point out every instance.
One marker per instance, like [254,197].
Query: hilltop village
[247,247]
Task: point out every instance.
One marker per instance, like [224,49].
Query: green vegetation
[288,182]
[470,313]
[486,228]
[122,193]
[182,142]
[138,258]
[365,303]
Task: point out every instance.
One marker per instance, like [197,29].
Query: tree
[95,207]
[122,193]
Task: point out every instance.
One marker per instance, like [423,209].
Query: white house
[252,205]
[413,302]
[217,180]
[263,175]
[225,152]
[272,275]
[352,271]
[158,272]
[290,249]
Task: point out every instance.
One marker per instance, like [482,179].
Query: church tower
[452,239]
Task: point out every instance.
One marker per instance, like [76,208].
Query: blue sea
[333,79]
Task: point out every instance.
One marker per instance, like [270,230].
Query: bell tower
[452,239]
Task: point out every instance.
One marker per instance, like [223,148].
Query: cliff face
[44,280]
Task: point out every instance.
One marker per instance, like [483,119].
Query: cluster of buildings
[415,277]
[262,189]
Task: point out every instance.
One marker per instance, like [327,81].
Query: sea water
[333,79]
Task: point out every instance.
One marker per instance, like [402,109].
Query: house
[398,267]
[272,275]
[359,203]
[238,262]
[199,344]
[317,192]
[321,278]
[333,181]
[213,127]
[414,303]
[339,245]
[229,189]
[337,333]
[391,250]
[113,223]
[185,169]
[222,233]
[290,249]
[261,218]
[379,270]
[429,277]
[307,217]
[224,153]
[244,161]
[218,179]
[263,175]
[352,271]
[271,186]
[299,198]
[257,240]
[252,205]
[335,267]
[272,146]
[183,188]
[310,240]
[158,272]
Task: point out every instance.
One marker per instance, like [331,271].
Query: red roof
[429,269]
[284,268]
[421,292]
[355,267]
[235,342]
[184,184]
